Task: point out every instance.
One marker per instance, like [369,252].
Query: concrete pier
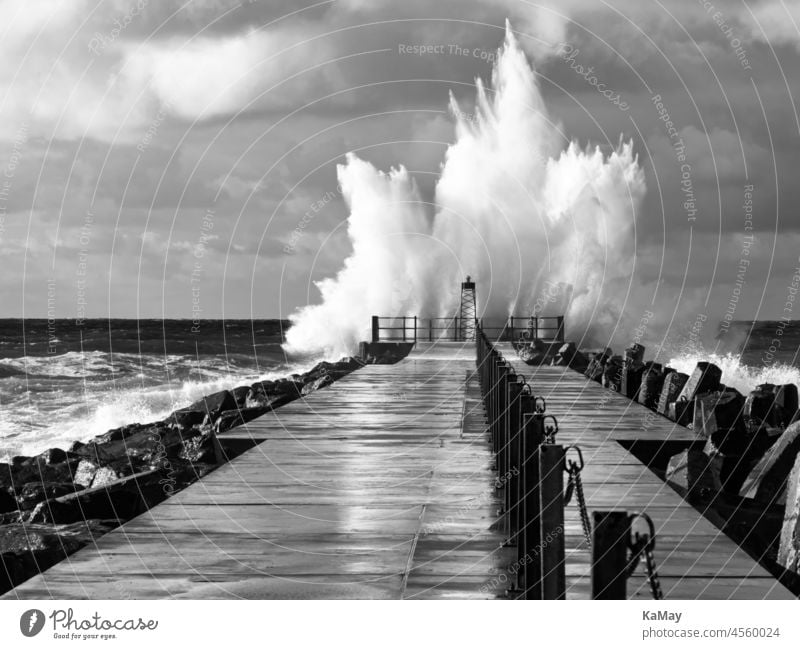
[380,487]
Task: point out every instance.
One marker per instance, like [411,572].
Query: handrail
[415,328]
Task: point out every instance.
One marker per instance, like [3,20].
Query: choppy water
[749,354]
[63,382]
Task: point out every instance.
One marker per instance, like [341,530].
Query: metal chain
[575,485]
[652,573]
[643,545]
[587,528]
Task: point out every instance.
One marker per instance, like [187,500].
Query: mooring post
[528,552]
[502,416]
[611,532]
[525,410]
[512,457]
[375,329]
[551,498]
[499,397]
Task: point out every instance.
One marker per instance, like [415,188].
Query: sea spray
[519,207]
[735,373]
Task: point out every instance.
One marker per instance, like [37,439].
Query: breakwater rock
[740,470]
[53,503]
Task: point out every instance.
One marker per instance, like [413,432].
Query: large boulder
[121,433]
[729,410]
[316,384]
[597,361]
[651,384]
[789,547]
[232,418]
[738,449]
[705,378]
[771,405]
[533,352]
[694,473]
[635,353]
[212,404]
[612,374]
[118,500]
[272,394]
[383,353]
[240,395]
[673,384]
[33,493]
[715,410]
[569,356]
[631,379]
[767,480]
[36,469]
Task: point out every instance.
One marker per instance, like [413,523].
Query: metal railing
[413,328]
[530,468]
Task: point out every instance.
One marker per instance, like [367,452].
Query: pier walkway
[376,487]
[380,487]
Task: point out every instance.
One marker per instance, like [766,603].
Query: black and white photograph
[306,304]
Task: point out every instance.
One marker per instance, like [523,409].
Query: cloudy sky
[156,155]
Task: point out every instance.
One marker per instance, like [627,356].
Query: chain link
[652,573]
[642,545]
[575,485]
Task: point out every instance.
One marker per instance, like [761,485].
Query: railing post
[375,329]
[551,498]
[611,532]
[415,328]
[560,332]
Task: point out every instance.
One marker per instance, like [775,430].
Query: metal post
[375,329]
[611,532]
[551,498]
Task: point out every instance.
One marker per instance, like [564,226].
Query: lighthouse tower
[468,311]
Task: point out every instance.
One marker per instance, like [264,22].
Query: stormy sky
[169,158]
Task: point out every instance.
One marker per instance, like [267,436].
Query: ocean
[61,382]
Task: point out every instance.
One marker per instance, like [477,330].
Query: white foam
[736,374]
[519,208]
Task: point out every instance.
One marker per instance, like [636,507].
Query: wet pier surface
[695,559]
[377,487]
[380,487]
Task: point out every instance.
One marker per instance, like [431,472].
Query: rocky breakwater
[538,352]
[744,469]
[53,503]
